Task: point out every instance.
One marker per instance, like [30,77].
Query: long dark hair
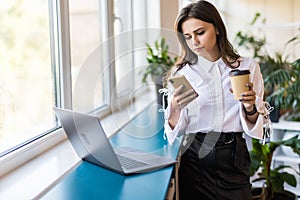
[206,12]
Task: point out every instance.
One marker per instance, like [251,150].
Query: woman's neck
[212,56]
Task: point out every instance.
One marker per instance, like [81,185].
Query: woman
[215,159]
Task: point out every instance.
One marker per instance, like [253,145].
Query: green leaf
[277,184]
[255,163]
[156,45]
[294,143]
[288,178]
[149,49]
[162,43]
[256,17]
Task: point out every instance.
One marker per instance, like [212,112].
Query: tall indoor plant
[273,178]
[159,63]
[282,89]
[281,77]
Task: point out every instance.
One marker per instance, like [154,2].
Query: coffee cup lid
[237,72]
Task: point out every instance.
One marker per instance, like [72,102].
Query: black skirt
[214,166]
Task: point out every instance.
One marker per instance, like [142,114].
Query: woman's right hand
[180,100]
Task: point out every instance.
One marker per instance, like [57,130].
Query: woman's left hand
[248,98]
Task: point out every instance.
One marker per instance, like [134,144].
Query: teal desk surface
[88,181]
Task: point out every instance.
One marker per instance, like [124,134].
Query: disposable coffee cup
[239,80]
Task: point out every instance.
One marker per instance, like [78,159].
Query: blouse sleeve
[255,130]
[170,133]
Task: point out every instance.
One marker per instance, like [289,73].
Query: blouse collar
[207,64]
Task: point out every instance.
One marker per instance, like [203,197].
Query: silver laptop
[91,144]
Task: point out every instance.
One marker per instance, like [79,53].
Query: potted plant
[159,63]
[273,178]
[281,77]
[284,86]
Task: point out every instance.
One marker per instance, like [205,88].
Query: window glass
[31,63]
[26,84]
[89,87]
[123,41]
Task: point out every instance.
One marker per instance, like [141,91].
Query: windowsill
[29,180]
[35,177]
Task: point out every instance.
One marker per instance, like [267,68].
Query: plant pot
[260,194]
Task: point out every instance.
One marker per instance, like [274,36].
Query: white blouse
[215,108]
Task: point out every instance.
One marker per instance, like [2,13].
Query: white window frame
[61,59]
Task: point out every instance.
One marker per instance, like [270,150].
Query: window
[90,83]
[123,41]
[26,79]
[63,53]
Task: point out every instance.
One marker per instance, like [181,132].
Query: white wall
[282,20]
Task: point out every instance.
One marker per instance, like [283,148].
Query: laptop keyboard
[129,163]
